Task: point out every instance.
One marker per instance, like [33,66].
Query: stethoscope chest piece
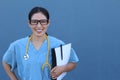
[26,57]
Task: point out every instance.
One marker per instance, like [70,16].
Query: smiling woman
[31,54]
[42,17]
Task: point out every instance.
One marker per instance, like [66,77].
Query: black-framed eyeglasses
[42,22]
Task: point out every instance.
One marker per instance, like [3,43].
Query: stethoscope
[26,56]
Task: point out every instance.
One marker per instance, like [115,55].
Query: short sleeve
[73,56]
[9,57]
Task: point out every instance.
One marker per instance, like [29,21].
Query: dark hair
[37,10]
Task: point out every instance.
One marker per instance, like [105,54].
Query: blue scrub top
[31,69]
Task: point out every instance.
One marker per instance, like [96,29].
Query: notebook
[60,56]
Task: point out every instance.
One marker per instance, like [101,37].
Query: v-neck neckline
[40,49]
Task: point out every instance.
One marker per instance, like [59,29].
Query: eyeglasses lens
[42,22]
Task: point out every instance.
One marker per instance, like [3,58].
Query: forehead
[38,16]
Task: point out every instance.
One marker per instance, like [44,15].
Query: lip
[38,31]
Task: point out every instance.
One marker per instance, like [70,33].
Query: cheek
[45,27]
[32,28]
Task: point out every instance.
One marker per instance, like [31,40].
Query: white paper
[66,55]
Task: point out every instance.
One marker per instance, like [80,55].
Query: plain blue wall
[93,27]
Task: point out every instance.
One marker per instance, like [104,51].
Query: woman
[28,54]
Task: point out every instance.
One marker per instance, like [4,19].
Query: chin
[40,35]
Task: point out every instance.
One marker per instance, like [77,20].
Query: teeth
[39,30]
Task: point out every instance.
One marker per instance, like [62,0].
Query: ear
[29,23]
[48,23]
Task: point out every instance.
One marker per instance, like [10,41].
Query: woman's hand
[56,71]
[9,72]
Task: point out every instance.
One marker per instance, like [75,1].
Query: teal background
[92,26]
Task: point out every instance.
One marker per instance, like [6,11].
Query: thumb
[53,69]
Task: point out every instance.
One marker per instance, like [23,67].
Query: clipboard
[60,56]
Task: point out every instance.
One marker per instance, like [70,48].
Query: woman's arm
[8,71]
[56,71]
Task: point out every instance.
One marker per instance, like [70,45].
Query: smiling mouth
[39,31]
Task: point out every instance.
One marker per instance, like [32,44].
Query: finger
[54,77]
[53,69]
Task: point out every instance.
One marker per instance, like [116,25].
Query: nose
[39,25]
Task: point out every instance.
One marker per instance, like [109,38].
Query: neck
[37,41]
[38,38]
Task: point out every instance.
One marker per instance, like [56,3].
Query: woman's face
[39,24]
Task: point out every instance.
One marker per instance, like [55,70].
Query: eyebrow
[40,19]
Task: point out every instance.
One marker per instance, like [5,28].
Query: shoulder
[21,41]
[55,41]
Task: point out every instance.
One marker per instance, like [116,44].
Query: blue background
[93,27]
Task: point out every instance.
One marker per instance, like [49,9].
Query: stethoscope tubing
[26,56]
